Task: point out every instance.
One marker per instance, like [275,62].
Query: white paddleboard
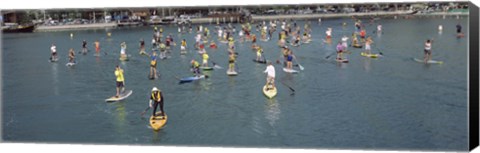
[122,96]
[290,70]
[232,73]
[70,64]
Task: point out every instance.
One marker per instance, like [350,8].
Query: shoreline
[76,27]
[254,18]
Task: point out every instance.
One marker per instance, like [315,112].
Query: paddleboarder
[97,47]
[120,80]
[340,49]
[142,46]
[270,70]
[427,51]
[368,43]
[156,99]
[153,65]
[205,59]
[123,48]
[84,47]
[71,56]
[53,50]
[195,67]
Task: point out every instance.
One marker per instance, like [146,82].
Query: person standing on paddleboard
[270,70]
[142,46]
[97,47]
[344,42]
[340,50]
[157,98]
[205,59]
[53,50]
[459,30]
[290,58]
[71,56]
[153,65]
[368,43]
[123,48]
[231,61]
[427,51]
[120,80]
[84,47]
[259,53]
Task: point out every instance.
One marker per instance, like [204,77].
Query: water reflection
[272,111]
[55,78]
[120,118]
[367,64]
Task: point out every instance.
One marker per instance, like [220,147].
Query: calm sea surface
[391,102]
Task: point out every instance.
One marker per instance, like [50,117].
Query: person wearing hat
[157,98]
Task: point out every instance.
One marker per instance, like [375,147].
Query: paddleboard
[53,60]
[183,52]
[123,59]
[143,53]
[262,62]
[206,68]
[290,70]
[357,46]
[370,55]
[270,93]
[342,60]
[158,121]
[232,73]
[429,62]
[164,57]
[70,64]
[190,79]
[295,45]
[122,96]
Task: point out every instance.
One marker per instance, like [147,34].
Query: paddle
[300,66]
[216,66]
[293,90]
[143,113]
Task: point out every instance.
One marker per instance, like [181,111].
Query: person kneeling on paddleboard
[195,68]
[156,98]
[120,80]
[270,75]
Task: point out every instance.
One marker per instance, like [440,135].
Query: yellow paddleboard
[158,122]
[270,93]
[369,55]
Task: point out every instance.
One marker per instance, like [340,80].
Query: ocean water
[391,102]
